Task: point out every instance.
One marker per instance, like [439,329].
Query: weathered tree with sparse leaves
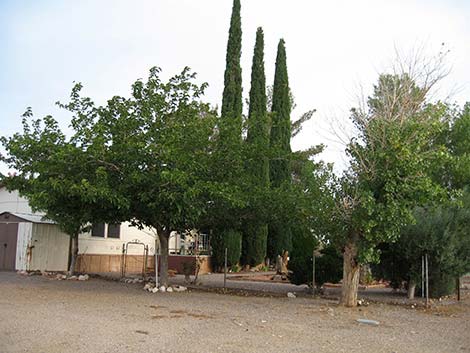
[391,164]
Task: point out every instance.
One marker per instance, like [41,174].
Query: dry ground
[43,315]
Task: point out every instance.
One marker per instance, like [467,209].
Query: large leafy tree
[392,160]
[63,177]
[255,231]
[440,231]
[280,234]
[158,145]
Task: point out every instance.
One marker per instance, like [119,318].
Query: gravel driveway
[44,315]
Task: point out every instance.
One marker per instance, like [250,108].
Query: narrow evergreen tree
[232,97]
[255,231]
[280,234]
[227,158]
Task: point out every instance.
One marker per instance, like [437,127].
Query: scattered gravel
[46,315]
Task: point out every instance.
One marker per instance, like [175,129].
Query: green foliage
[328,265]
[300,262]
[281,124]
[232,97]
[255,232]
[459,144]
[392,164]
[254,243]
[157,145]
[226,162]
[230,239]
[440,232]
[280,234]
[230,122]
[63,177]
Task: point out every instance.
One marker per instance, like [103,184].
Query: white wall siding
[89,245]
[22,245]
[51,248]
[13,202]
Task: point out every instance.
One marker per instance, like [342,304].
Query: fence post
[225,270]
[422,276]
[427,279]
[313,271]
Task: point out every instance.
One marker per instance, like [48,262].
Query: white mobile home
[100,250]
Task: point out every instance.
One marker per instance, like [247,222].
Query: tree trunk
[411,289]
[157,247]
[74,254]
[351,270]
[163,236]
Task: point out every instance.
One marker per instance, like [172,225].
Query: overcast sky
[333,48]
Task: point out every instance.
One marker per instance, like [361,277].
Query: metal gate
[8,239]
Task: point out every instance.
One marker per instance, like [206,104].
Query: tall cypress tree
[255,232]
[228,166]
[230,123]
[232,97]
[280,234]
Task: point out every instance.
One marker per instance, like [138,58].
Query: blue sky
[333,48]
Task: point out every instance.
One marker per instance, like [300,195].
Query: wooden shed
[29,243]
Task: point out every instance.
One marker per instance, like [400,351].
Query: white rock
[154,290]
[368,322]
[169,290]
[291,295]
[179,288]
[83,277]
[73,278]
[162,289]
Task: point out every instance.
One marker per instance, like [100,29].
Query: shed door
[8,239]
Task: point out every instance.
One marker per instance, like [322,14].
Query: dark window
[98,230]
[114,230]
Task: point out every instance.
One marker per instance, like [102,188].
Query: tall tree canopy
[392,160]
[158,145]
[227,165]
[255,231]
[232,104]
[280,234]
[63,177]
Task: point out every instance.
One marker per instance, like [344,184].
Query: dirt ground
[44,315]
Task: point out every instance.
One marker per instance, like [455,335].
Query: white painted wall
[111,246]
[22,245]
[13,202]
[51,248]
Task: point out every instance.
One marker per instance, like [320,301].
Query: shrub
[328,266]
[230,239]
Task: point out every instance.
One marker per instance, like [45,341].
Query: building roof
[33,218]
